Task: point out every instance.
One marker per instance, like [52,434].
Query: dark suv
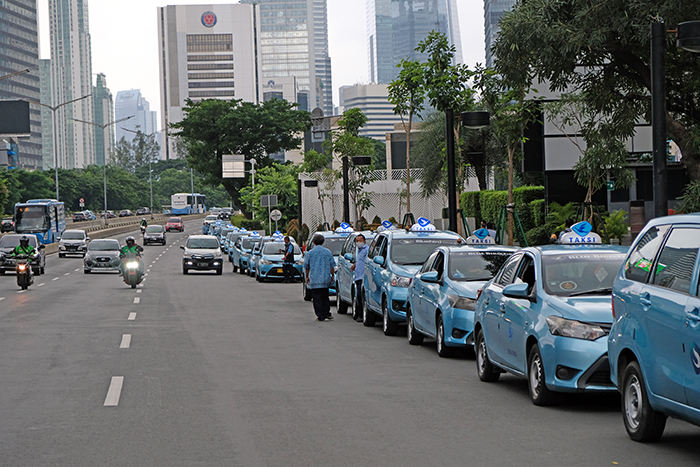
[8,225]
[8,244]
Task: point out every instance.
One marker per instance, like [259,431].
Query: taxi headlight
[301,261]
[400,281]
[463,303]
[264,261]
[575,329]
[132,264]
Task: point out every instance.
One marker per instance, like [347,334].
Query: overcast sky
[125,44]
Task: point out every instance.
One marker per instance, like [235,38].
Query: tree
[379,154]
[212,128]
[276,179]
[407,93]
[137,153]
[600,49]
[316,162]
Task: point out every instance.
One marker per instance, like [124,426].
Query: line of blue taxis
[576,317]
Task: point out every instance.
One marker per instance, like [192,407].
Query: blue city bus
[45,218]
[188,203]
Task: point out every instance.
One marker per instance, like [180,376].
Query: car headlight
[301,261]
[400,281]
[217,254]
[463,303]
[61,246]
[264,261]
[575,329]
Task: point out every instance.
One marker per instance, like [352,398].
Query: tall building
[201,49]
[104,114]
[71,78]
[396,27]
[373,100]
[493,12]
[19,50]
[46,117]
[294,42]
[131,103]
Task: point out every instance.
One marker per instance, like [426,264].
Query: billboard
[14,118]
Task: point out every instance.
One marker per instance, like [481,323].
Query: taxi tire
[540,394]
[368,317]
[61,255]
[241,270]
[342,306]
[219,272]
[646,424]
[414,337]
[235,268]
[484,368]
[443,350]
[389,326]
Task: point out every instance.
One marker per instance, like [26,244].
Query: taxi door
[516,315]
[431,295]
[345,275]
[373,273]
[417,293]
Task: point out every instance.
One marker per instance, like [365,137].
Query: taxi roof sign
[481,237]
[344,228]
[423,225]
[581,234]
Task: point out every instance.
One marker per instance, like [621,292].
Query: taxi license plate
[279,271]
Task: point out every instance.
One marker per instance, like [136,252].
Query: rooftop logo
[208,19]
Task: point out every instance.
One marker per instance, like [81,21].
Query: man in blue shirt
[359,272]
[288,260]
[319,266]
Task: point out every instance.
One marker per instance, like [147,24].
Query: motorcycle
[23,270]
[143,229]
[131,270]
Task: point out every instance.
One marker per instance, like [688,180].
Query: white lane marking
[144,276]
[77,270]
[148,270]
[114,391]
[139,291]
[2,298]
[67,274]
[55,278]
[126,341]
[132,316]
[137,299]
[21,291]
[43,283]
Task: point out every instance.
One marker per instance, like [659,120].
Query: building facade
[132,104]
[47,153]
[493,12]
[396,27]
[104,114]
[206,51]
[19,50]
[71,79]
[373,100]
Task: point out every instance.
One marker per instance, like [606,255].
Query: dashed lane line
[55,278]
[139,291]
[132,317]
[114,391]
[2,298]
[77,270]
[126,341]
[43,283]
[67,274]
[137,299]
[21,291]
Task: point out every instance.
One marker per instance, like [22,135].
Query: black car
[8,225]
[154,234]
[8,244]
[125,213]
[79,217]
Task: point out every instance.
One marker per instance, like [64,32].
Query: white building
[373,100]
[206,51]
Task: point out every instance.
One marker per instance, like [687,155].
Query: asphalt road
[206,370]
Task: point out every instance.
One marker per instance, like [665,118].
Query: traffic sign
[267,201]
[82,200]
[276,215]
[610,185]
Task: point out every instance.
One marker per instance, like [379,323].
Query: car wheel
[342,306]
[219,272]
[2,272]
[389,326]
[184,270]
[484,368]
[235,268]
[414,337]
[539,393]
[305,291]
[368,317]
[442,349]
[642,422]
[86,271]
[356,314]
[61,255]
[241,269]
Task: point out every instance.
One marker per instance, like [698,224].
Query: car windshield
[333,244]
[103,245]
[174,220]
[476,265]
[249,243]
[414,251]
[225,232]
[154,229]
[577,274]
[274,248]
[11,241]
[203,243]
[73,236]
[210,218]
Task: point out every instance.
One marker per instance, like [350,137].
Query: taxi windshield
[333,244]
[567,275]
[249,243]
[414,251]
[203,243]
[274,249]
[476,265]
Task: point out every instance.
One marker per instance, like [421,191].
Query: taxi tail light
[613,307]
[478,293]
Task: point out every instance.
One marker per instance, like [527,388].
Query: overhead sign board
[233,166]
[267,201]
[14,119]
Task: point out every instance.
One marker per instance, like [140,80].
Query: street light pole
[658,118]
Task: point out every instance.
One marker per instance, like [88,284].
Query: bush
[690,201]
[469,202]
[237,220]
[303,234]
[540,235]
[615,225]
[491,203]
[537,211]
[376,220]
[251,224]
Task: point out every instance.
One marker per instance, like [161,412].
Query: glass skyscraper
[493,12]
[19,50]
[396,27]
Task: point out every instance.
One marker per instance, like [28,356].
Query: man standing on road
[288,260]
[319,268]
[359,271]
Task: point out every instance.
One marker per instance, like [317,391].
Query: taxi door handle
[486,301]
[503,307]
[693,315]
[645,299]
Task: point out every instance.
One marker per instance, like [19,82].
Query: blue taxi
[334,241]
[654,343]
[242,247]
[254,258]
[270,262]
[546,315]
[344,283]
[393,258]
[442,295]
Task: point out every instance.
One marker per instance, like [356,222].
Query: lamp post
[53,120]
[104,164]
[473,120]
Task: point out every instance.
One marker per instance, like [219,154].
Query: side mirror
[516,291]
[349,256]
[42,246]
[430,276]
[379,260]
[87,239]
[182,247]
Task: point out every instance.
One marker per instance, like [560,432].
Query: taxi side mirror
[349,256]
[430,276]
[516,291]
[379,260]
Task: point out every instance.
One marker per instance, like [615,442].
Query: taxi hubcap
[633,402]
[481,356]
[535,375]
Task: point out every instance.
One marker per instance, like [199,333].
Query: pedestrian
[492,229]
[319,267]
[288,260]
[361,249]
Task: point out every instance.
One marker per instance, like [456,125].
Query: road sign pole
[269,220]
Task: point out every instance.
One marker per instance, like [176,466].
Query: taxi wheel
[414,337]
[368,317]
[342,306]
[641,421]
[443,350]
[356,312]
[539,393]
[241,269]
[389,326]
[235,268]
[484,368]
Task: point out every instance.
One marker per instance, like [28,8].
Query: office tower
[493,12]
[19,50]
[104,114]
[373,100]
[71,78]
[395,28]
[132,104]
[294,42]
[47,153]
[201,49]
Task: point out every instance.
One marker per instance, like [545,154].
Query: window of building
[209,42]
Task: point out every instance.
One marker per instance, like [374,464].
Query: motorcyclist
[130,247]
[24,248]
[144,222]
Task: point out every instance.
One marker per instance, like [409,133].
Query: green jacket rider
[24,248]
[144,222]
[130,247]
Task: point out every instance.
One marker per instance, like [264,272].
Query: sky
[124,37]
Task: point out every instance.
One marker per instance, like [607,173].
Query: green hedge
[487,205]
[537,211]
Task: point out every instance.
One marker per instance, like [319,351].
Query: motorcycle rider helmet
[24,241]
[130,241]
